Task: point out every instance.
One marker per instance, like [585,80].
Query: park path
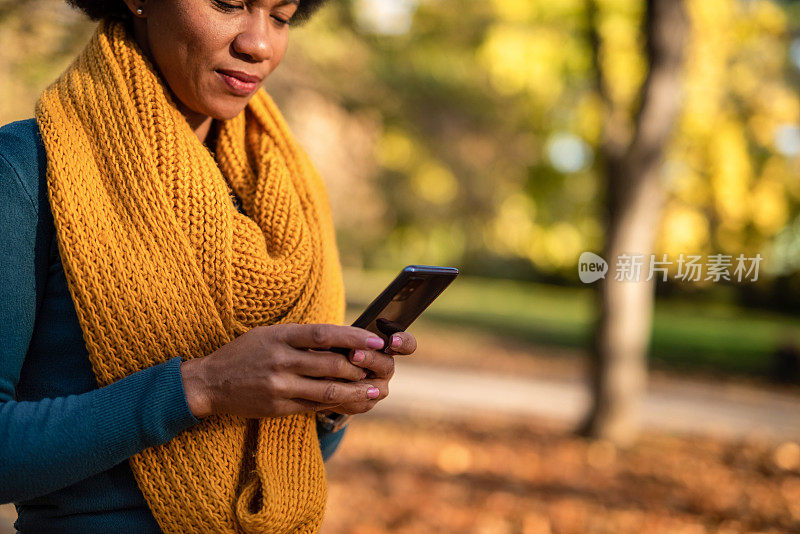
[670,405]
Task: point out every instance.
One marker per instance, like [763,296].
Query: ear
[137,7]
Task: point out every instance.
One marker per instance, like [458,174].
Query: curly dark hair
[99,9]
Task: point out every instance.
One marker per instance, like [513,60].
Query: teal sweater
[64,442]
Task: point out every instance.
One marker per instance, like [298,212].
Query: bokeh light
[568,153]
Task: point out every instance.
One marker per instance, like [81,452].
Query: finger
[353,408]
[380,363]
[383,388]
[324,336]
[332,391]
[296,406]
[324,364]
[364,406]
[402,343]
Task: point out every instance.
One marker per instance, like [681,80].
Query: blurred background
[505,138]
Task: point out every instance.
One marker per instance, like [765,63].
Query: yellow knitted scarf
[161,264]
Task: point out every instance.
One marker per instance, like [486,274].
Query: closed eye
[225,6]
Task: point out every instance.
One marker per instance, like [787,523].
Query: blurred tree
[731,168]
[467,133]
[634,197]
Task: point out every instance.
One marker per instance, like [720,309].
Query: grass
[685,335]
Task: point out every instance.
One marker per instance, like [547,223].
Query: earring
[139,11]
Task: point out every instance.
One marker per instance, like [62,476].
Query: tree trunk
[618,370]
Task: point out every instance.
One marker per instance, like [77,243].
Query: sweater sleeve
[329,441]
[52,443]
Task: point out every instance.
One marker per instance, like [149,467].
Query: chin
[223,116]
[227,110]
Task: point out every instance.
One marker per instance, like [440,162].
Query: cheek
[186,52]
[188,47]
[281,45]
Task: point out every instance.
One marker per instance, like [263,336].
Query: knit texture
[160,264]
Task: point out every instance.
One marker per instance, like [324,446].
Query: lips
[239,75]
[238,82]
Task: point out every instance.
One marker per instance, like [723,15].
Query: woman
[140,390]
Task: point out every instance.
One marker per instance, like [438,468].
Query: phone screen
[414,289]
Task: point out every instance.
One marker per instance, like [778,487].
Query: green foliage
[469,110]
[476,94]
[686,335]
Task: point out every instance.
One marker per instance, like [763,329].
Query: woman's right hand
[269,372]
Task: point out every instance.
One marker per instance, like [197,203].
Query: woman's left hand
[380,367]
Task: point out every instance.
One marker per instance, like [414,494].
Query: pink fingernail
[373,393]
[396,341]
[374,342]
[358,356]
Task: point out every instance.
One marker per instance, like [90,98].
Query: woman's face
[214,54]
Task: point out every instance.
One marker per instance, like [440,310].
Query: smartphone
[403,300]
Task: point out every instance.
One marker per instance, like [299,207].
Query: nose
[255,41]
